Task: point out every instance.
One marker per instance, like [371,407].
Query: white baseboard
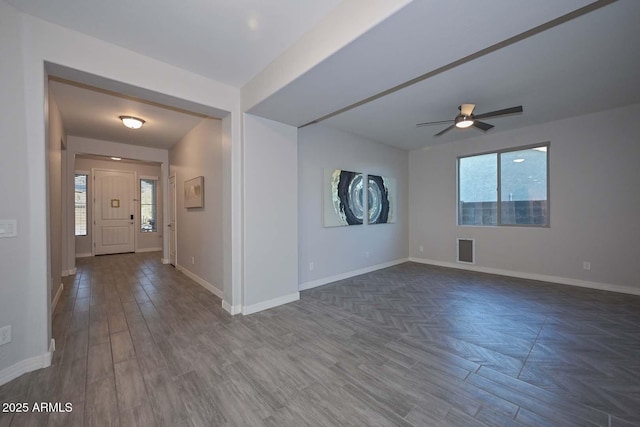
[69,272]
[533,276]
[265,305]
[165,261]
[27,365]
[86,255]
[342,276]
[148,250]
[48,357]
[232,309]
[56,297]
[199,280]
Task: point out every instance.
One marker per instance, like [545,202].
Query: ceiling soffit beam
[125,96]
[349,20]
[495,47]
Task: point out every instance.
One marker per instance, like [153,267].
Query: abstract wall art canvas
[381,192]
[343,198]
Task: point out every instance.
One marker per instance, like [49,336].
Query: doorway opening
[118,206]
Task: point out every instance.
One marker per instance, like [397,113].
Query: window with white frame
[148,205]
[80,199]
[506,187]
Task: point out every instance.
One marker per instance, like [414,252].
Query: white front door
[113,212]
[172,220]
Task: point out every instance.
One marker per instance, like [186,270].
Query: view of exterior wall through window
[508,187]
[148,217]
[81,204]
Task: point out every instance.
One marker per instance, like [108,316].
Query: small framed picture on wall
[194,193]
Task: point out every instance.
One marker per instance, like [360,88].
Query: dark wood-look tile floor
[139,344]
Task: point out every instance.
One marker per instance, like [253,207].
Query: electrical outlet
[311,266]
[5,334]
[8,228]
[193,260]
[421,248]
[586,265]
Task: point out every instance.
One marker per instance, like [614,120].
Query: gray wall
[339,250]
[594,202]
[271,226]
[200,234]
[15,285]
[27,46]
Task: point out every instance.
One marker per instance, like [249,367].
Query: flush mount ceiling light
[132,122]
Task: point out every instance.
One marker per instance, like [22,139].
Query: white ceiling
[94,114]
[228,41]
[588,64]
[421,37]
[584,65]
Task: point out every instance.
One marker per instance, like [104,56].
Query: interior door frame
[93,207]
[173,206]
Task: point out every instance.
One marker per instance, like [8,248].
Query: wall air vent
[466,250]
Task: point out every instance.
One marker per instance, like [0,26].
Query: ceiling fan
[466,118]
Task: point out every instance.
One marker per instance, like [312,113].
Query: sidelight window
[148,205]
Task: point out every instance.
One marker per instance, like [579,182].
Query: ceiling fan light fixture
[466,119]
[132,122]
[463,122]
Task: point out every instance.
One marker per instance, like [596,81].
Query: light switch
[8,228]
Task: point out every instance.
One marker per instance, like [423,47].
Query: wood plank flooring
[139,344]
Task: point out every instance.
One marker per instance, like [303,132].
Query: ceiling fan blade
[467,109]
[482,125]
[445,130]
[433,123]
[504,112]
